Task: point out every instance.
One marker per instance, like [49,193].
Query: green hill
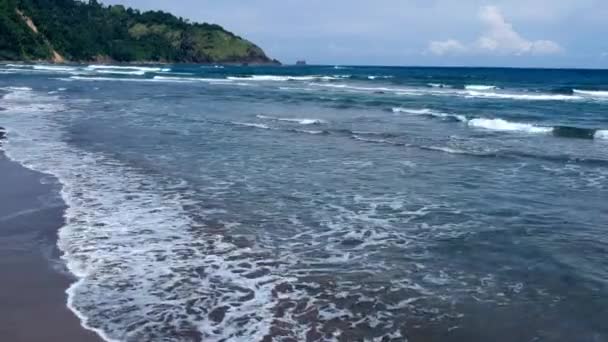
[73,30]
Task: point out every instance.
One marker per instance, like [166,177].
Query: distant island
[76,31]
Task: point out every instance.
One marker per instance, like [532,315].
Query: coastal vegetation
[71,30]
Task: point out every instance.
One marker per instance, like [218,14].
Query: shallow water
[322,203]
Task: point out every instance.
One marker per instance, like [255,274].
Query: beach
[33,300]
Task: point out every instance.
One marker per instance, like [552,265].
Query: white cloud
[448,46]
[499,38]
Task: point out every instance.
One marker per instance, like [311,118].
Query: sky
[513,33]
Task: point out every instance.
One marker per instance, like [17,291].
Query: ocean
[323,203]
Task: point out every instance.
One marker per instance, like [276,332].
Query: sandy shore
[32,290]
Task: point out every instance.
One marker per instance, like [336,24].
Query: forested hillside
[89,31]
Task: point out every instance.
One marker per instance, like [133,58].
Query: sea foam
[133,247]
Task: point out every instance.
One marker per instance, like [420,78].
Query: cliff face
[72,30]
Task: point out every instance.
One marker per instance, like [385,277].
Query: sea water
[319,203]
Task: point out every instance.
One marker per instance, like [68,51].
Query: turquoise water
[324,203]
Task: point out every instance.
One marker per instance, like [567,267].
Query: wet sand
[33,280]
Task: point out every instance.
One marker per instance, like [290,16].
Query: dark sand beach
[32,296]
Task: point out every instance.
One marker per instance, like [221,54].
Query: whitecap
[439,85]
[54,68]
[479,87]
[411,111]
[296,120]
[249,124]
[274,78]
[190,79]
[120,67]
[592,93]
[601,134]
[503,125]
[426,111]
[121,72]
[528,97]
[119,79]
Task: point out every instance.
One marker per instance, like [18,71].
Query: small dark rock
[352,242]
[217,315]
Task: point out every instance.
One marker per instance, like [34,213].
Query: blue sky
[539,33]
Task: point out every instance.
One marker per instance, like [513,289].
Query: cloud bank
[499,38]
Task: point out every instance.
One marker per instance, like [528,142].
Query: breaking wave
[504,125]
[592,93]
[480,87]
[273,78]
[429,112]
[295,120]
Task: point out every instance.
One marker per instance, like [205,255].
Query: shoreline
[33,296]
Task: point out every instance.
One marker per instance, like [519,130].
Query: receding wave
[295,120]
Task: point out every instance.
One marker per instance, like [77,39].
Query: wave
[121,72]
[426,111]
[133,67]
[93,78]
[480,87]
[374,77]
[54,68]
[528,97]
[558,131]
[504,125]
[273,78]
[249,124]
[439,85]
[190,79]
[601,134]
[591,93]
[436,89]
[313,132]
[296,120]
